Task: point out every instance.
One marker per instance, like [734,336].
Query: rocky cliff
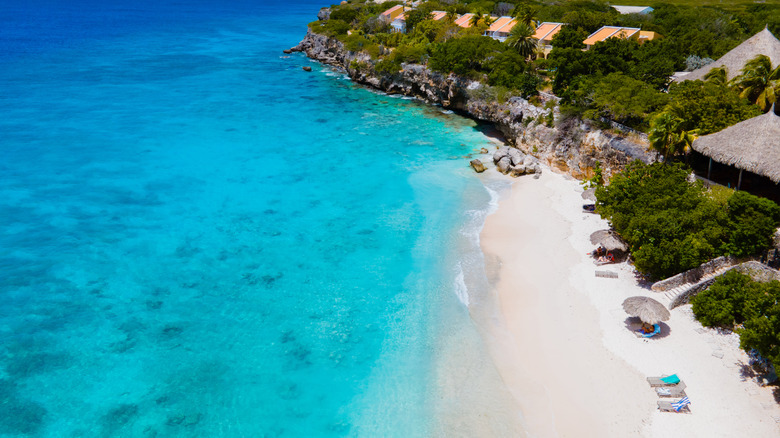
[570,145]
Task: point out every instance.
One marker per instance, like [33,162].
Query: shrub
[387,66]
[734,300]
[753,222]
[343,13]
[671,225]
[415,54]
[330,28]
[463,55]
[729,300]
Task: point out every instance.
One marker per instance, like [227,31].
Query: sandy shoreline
[560,343]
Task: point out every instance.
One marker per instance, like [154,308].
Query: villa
[607,32]
[500,28]
[545,33]
[391,14]
[399,24]
[438,15]
[464,20]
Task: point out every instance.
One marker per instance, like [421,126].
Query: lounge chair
[663,380]
[676,391]
[680,405]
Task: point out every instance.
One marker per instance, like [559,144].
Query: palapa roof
[647,309]
[752,145]
[609,240]
[762,43]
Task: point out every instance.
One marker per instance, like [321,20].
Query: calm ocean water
[200,239]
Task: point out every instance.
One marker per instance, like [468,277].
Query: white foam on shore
[461,290]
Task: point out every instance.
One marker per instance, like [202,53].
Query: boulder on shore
[504,165]
[511,161]
[483,151]
[477,166]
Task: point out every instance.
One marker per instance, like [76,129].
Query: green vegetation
[617,79]
[736,302]
[671,225]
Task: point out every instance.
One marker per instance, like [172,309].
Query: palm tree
[526,14]
[521,37]
[476,19]
[758,82]
[451,16]
[667,136]
[717,76]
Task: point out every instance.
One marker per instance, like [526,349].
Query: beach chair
[680,405]
[663,380]
[676,391]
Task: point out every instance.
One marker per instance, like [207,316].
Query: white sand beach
[561,345]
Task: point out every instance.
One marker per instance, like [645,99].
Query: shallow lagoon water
[201,239]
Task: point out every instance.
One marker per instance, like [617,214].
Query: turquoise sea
[200,239]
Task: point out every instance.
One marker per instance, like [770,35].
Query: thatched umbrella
[750,145]
[609,240]
[647,309]
[589,195]
[762,43]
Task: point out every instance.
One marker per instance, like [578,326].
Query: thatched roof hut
[609,240]
[752,145]
[762,43]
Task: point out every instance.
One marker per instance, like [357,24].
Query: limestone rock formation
[477,166]
[569,145]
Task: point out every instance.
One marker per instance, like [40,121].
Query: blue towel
[672,380]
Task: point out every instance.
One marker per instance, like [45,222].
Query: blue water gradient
[201,239]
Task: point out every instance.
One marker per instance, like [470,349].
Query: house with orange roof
[607,32]
[392,13]
[647,35]
[500,28]
[464,20]
[497,24]
[545,33]
[438,15]
[399,24]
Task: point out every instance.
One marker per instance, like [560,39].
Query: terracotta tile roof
[609,32]
[547,30]
[393,12]
[464,20]
[499,23]
[438,15]
[506,28]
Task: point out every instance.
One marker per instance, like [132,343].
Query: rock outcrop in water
[571,146]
